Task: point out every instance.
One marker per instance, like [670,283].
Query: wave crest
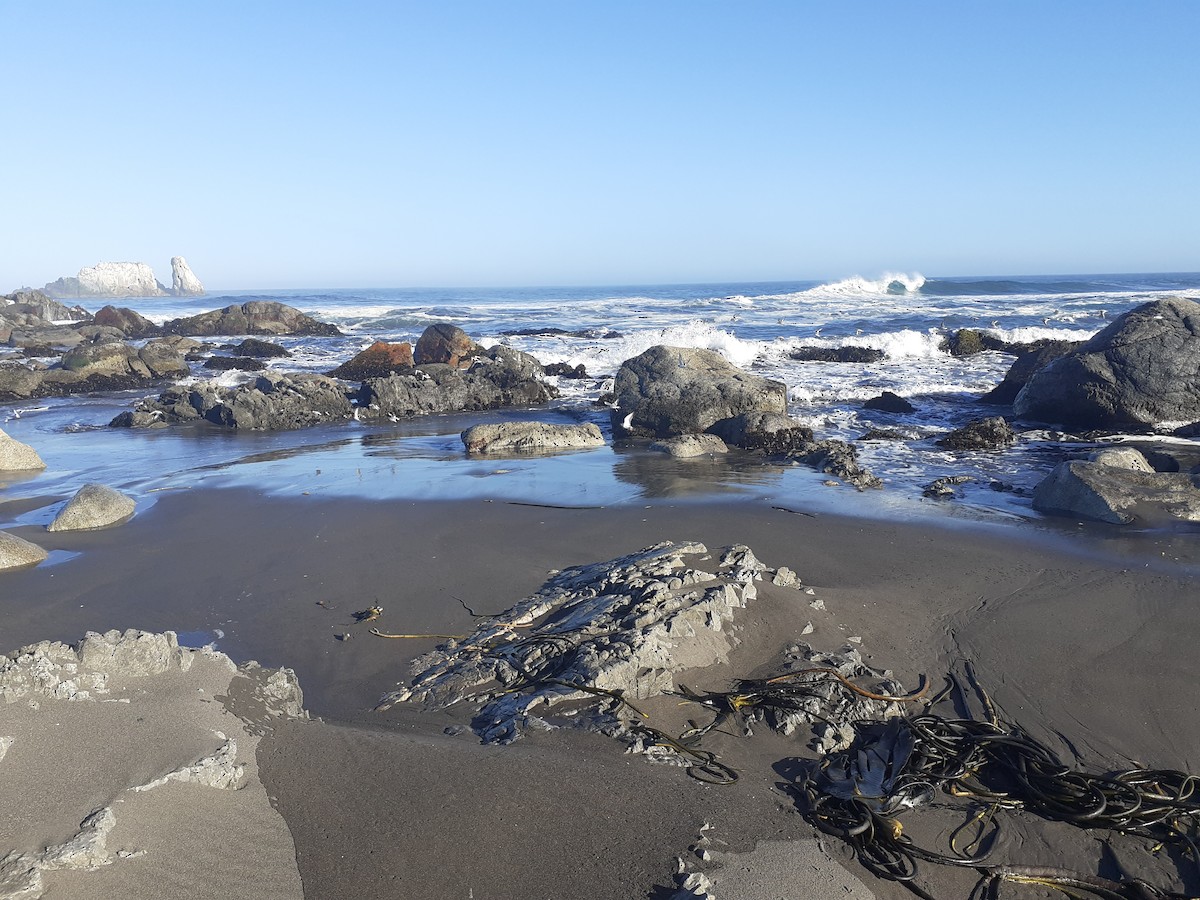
[858,286]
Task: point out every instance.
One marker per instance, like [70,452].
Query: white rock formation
[109,279]
[184,283]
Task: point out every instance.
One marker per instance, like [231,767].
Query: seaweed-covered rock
[93,367]
[499,377]
[565,370]
[377,361]
[847,354]
[993,433]
[18,457]
[252,317]
[93,506]
[770,433]
[835,457]
[969,341]
[889,402]
[1120,496]
[679,390]
[1142,369]
[530,437]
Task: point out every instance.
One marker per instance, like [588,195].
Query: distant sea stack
[183,282]
[126,279]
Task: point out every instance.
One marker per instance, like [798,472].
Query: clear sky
[398,144]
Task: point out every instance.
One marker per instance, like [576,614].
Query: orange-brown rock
[443,343]
[377,361]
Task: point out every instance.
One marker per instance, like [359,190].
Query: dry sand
[1096,648]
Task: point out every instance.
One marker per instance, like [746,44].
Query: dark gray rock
[253,317]
[1023,367]
[500,377]
[837,354]
[38,304]
[259,349]
[681,390]
[127,321]
[993,433]
[563,370]
[1142,369]
[943,488]
[1120,496]
[835,457]
[889,402]
[770,433]
[241,363]
[271,402]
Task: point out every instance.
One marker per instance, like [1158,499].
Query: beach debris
[617,630]
[325,605]
[989,764]
[450,637]
[370,614]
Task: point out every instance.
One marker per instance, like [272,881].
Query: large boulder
[501,377]
[377,361]
[1023,368]
[18,457]
[16,553]
[93,506]
[252,317]
[270,402]
[127,321]
[443,343]
[109,279]
[530,437]
[1104,492]
[681,390]
[1142,369]
[19,381]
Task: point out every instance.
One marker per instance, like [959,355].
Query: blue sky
[461,143]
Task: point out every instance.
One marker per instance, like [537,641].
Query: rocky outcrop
[93,506]
[1023,367]
[530,437]
[183,282]
[252,317]
[271,402]
[1142,369]
[239,363]
[498,378]
[16,553]
[258,349]
[93,367]
[629,624]
[109,279]
[1104,492]
[769,433]
[18,457]
[688,446]
[379,360]
[130,323]
[443,343]
[681,390]
[41,306]
[993,433]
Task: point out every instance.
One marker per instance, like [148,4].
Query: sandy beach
[1088,650]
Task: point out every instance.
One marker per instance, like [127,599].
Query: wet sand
[1086,651]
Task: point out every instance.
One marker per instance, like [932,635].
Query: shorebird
[817,333]
[627,422]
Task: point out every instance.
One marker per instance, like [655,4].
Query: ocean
[755,325]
